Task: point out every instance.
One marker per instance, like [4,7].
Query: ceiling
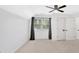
[30,10]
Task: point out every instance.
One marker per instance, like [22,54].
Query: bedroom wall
[77,27]
[13,31]
[59,22]
[43,34]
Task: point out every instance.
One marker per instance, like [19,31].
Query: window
[41,23]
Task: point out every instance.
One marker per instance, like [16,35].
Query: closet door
[70,29]
[77,28]
[61,28]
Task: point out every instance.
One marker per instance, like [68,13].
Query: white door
[60,28]
[77,28]
[70,29]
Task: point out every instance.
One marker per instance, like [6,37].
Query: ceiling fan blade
[61,10]
[62,6]
[51,11]
[49,7]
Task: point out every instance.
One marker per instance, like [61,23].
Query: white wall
[77,27]
[54,26]
[59,22]
[13,31]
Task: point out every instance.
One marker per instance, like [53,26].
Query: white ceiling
[30,10]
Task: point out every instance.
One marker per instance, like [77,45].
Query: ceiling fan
[56,8]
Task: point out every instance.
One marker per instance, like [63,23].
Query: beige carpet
[50,46]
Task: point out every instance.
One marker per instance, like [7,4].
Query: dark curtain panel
[32,34]
[50,31]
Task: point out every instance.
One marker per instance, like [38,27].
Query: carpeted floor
[50,46]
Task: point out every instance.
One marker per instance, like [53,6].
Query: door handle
[64,30]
